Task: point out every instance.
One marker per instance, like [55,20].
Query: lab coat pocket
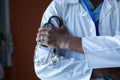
[72,69]
[41,54]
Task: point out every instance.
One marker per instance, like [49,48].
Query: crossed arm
[58,38]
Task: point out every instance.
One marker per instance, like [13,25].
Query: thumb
[63,27]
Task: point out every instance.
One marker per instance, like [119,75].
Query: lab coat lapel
[106,8]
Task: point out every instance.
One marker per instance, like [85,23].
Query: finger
[45,28]
[42,33]
[43,39]
[43,42]
[38,34]
[39,38]
[47,32]
[39,41]
[63,27]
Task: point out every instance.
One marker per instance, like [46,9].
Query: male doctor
[89,39]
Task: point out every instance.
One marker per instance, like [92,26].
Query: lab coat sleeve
[102,51]
[67,67]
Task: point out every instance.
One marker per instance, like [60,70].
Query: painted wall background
[6,44]
[25,16]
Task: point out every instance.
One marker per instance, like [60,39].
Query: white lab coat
[100,51]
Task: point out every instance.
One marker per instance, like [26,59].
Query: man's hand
[52,37]
[58,38]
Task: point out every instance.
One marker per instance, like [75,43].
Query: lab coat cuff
[90,54]
[86,52]
[98,58]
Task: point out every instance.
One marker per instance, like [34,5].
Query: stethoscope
[85,4]
[53,55]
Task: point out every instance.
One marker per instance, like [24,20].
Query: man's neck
[96,3]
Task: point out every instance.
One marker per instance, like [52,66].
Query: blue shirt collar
[96,11]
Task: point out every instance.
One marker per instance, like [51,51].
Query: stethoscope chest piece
[54,59]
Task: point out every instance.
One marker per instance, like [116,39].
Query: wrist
[65,42]
[73,43]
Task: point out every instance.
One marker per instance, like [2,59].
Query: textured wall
[25,16]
